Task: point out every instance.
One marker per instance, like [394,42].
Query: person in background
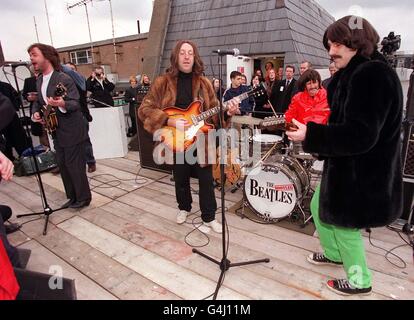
[131,97]
[311,103]
[70,69]
[332,71]
[216,87]
[280,73]
[101,88]
[243,80]
[260,101]
[236,89]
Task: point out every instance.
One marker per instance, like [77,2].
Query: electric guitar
[276,121]
[48,112]
[180,140]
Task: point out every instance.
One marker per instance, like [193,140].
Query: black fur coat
[362,176]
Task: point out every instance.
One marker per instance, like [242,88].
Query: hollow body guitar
[48,112]
[179,140]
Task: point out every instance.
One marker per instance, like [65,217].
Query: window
[81,57]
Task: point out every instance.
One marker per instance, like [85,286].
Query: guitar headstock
[61,90]
[273,121]
[258,91]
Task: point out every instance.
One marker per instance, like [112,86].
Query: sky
[17,28]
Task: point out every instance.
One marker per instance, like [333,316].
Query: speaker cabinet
[146,147]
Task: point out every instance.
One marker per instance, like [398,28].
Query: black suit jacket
[7,111]
[282,95]
[29,86]
[71,127]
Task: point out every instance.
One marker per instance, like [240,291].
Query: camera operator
[391,44]
[101,88]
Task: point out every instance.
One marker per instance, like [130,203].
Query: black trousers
[5,214]
[72,165]
[182,174]
[132,115]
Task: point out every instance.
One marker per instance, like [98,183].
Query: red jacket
[306,109]
[8,283]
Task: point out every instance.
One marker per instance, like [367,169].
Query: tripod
[47,210]
[225,264]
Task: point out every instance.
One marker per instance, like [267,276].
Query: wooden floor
[126,244]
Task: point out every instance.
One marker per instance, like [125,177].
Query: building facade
[119,63]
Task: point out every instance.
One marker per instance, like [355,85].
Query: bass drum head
[270,192]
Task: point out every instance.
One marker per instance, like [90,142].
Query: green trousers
[343,245]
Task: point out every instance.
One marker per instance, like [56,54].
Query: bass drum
[273,188]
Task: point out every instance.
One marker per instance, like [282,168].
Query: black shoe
[344,288]
[68,203]
[11,227]
[320,259]
[80,204]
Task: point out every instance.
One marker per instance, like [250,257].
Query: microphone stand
[47,210]
[225,264]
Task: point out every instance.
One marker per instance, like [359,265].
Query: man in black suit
[70,135]
[283,91]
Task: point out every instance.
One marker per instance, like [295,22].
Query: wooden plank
[121,164]
[385,283]
[294,277]
[157,269]
[164,196]
[111,275]
[41,260]
[175,250]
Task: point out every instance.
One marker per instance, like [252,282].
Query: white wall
[242,64]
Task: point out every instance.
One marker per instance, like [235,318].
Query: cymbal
[252,121]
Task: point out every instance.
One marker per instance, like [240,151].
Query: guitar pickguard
[191,132]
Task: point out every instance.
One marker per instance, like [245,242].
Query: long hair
[142,79]
[49,53]
[198,67]
[309,75]
[363,38]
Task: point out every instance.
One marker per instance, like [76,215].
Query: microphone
[233,52]
[18,64]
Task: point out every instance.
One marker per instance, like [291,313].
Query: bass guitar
[48,112]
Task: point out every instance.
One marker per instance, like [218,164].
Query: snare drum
[273,188]
[267,141]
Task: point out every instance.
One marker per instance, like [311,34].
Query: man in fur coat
[180,86]
[362,179]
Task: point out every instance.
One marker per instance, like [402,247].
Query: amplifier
[146,147]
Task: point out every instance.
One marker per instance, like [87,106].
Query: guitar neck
[273,121]
[213,111]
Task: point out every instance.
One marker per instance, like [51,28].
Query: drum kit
[277,184]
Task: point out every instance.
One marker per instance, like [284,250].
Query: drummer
[311,103]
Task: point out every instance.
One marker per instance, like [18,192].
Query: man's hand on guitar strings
[56,102]
[233,106]
[180,124]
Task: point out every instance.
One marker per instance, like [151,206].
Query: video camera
[391,44]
